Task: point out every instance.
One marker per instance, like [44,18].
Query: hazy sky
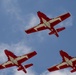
[19,15]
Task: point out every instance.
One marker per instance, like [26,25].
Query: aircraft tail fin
[60,29]
[28,65]
[52,32]
[57,30]
[21,68]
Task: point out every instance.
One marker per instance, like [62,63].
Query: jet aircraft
[48,23]
[14,60]
[68,61]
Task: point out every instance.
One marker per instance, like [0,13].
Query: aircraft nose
[6,51]
[38,12]
[61,52]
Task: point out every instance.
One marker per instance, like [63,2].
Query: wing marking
[38,26]
[7,63]
[62,64]
[74,59]
[21,57]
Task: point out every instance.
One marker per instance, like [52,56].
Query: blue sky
[18,15]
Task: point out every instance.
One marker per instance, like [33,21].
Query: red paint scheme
[52,24]
[42,15]
[19,59]
[28,65]
[64,64]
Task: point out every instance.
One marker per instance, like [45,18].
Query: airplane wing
[25,57]
[6,65]
[65,16]
[40,26]
[61,18]
[58,67]
[37,28]
[21,68]
[42,15]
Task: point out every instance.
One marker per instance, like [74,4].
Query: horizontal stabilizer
[73,70]
[20,68]
[60,29]
[28,65]
[52,32]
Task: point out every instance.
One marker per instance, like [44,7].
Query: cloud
[33,21]
[11,8]
[19,49]
[29,72]
[64,72]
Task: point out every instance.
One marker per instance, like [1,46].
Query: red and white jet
[68,61]
[47,23]
[13,60]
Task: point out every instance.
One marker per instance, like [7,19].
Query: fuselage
[13,60]
[71,62]
[48,23]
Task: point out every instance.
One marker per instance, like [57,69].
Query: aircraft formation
[45,23]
